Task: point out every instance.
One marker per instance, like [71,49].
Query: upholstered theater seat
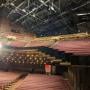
[7,78]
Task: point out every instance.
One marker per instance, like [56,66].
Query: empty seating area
[24,59]
[7,78]
[11,81]
[43,82]
[77,47]
[35,60]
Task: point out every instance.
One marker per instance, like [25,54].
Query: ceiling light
[12,4]
[34,15]
[23,10]
[43,2]
[2,4]
[80,14]
[52,8]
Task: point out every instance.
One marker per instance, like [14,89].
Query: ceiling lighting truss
[28,12]
[52,5]
[16,8]
[66,12]
[31,12]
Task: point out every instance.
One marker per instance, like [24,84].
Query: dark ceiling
[49,17]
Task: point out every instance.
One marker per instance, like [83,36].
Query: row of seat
[34,82]
[26,57]
[7,78]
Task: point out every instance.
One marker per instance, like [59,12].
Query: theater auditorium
[44,44]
